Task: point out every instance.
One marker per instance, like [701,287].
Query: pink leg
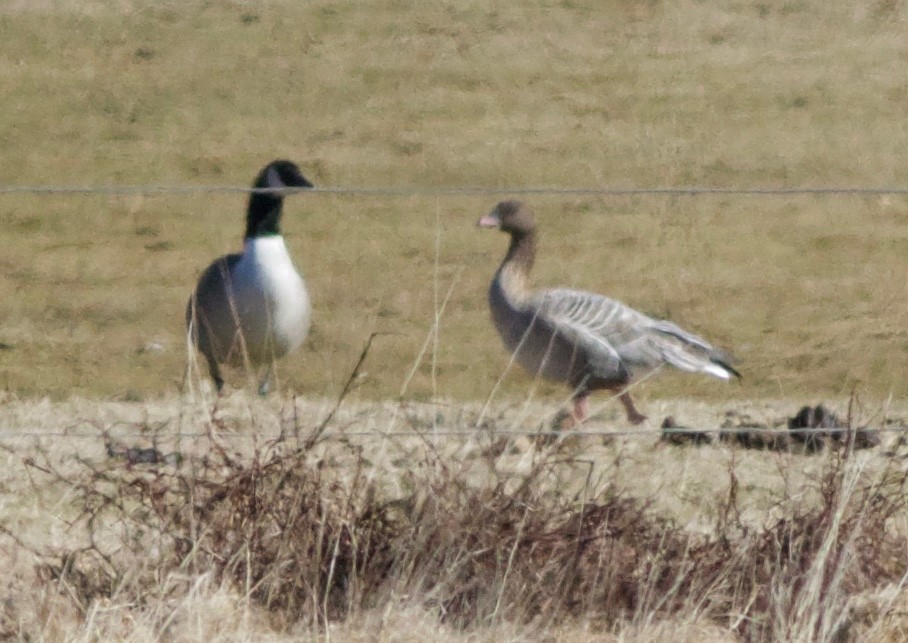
[581,408]
[579,413]
[633,415]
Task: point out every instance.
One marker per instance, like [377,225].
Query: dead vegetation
[305,530]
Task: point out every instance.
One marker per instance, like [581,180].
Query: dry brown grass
[384,520]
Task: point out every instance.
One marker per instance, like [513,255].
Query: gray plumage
[582,339]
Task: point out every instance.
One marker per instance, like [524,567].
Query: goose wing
[614,336]
[600,327]
[210,315]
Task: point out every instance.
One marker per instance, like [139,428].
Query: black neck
[264,216]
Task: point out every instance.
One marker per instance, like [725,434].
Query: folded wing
[617,338]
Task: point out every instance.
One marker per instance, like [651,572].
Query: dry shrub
[308,533]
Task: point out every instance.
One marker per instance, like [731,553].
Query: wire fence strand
[405,190]
[466,433]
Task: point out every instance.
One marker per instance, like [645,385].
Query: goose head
[514,217]
[264,214]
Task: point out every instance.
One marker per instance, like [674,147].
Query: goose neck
[521,253]
[513,274]
[264,215]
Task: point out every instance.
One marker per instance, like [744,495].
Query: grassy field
[808,290]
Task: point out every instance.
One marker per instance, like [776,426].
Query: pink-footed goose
[252,307]
[585,340]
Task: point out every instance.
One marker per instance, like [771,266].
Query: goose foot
[581,409]
[215,372]
[265,382]
[562,421]
[633,415]
[565,420]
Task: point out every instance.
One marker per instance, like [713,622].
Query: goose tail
[694,354]
[718,367]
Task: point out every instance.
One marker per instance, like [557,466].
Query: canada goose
[584,340]
[252,307]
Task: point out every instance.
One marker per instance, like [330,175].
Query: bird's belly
[549,355]
[273,317]
[541,350]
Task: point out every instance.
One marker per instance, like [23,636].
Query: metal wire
[399,191]
[477,432]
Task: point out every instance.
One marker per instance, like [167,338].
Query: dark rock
[814,424]
[678,435]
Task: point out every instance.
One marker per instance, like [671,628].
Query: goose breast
[271,300]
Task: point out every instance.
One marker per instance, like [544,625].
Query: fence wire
[466,433]
[403,191]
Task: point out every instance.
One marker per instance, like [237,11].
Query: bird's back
[619,342]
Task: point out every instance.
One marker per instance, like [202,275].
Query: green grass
[809,291]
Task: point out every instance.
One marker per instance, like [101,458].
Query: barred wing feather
[617,337]
[603,328]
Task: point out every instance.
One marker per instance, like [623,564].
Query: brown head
[513,217]
[518,220]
